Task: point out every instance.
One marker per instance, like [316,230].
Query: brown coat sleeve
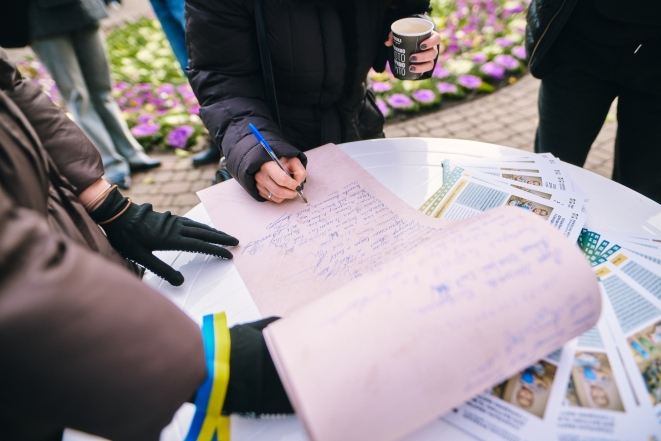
[72,152]
[83,343]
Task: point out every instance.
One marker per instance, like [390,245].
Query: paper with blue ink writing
[293,253]
[395,349]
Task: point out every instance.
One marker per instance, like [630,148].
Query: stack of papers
[535,182]
[607,382]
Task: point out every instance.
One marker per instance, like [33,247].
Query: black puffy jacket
[546,19]
[319,99]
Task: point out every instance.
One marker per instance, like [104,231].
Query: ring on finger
[270,194]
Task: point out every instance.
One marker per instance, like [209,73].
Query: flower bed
[484,48]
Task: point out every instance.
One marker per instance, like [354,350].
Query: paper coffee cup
[407,33]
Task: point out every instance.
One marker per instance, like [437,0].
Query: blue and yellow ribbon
[208,424]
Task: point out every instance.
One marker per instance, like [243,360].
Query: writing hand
[271,180]
[424,60]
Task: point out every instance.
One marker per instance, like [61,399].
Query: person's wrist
[95,194]
[112,207]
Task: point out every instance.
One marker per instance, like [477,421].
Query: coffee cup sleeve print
[419,63]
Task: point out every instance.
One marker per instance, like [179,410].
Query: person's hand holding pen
[278,180]
[275,185]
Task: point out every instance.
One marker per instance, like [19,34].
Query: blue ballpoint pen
[268,149]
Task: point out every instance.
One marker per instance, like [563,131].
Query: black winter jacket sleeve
[226,75]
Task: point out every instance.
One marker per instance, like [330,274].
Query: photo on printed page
[645,346]
[529,390]
[592,384]
[544,211]
[525,170]
[526,179]
[540,194]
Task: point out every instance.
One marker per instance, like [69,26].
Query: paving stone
[179,175]
[193,175]
[182,164]
[459,126]
[200,185]
[139,189]
[497,136]
[162,176]
[176,187]
[186,200]
[441,132]
[395,133]
[488,126]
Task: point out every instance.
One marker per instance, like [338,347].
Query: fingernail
[412,68]
[413,58]
[423,46]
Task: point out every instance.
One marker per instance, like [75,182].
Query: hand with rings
[275,185]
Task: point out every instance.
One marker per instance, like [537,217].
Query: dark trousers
[575,99]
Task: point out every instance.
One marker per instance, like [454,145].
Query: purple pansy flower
[447,88]
[515,9]
[479,58]
[167,89]
[179,136]
[142,130]
[121,86]
[188,96]
[142,119]
[493,70]
[400,101]
[383,107]
[194,110]
[424,96]
[504,42]
[378,86]
[507,61]
[440,72]
[184,88]
[519,52]
[469,81]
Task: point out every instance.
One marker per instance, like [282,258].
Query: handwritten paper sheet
[392,351]
[293,253]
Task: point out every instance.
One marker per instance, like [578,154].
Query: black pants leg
[573,105]
[638,144]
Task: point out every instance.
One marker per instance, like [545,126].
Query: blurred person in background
[66,36]
[170,14]
[587,53]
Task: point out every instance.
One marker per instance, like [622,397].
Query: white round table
[410,168]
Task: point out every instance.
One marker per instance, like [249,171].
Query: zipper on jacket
[544,33]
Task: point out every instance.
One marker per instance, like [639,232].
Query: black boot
[209,156]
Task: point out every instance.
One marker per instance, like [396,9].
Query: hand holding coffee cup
[415,46]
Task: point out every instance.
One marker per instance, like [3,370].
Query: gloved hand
[138,231]
[254,385]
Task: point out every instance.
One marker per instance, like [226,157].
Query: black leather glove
[254,386]
[139,231]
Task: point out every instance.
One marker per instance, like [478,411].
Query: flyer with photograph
[462,196]
[632,286]
[576,393]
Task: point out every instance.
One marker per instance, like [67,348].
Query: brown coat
[83,342]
